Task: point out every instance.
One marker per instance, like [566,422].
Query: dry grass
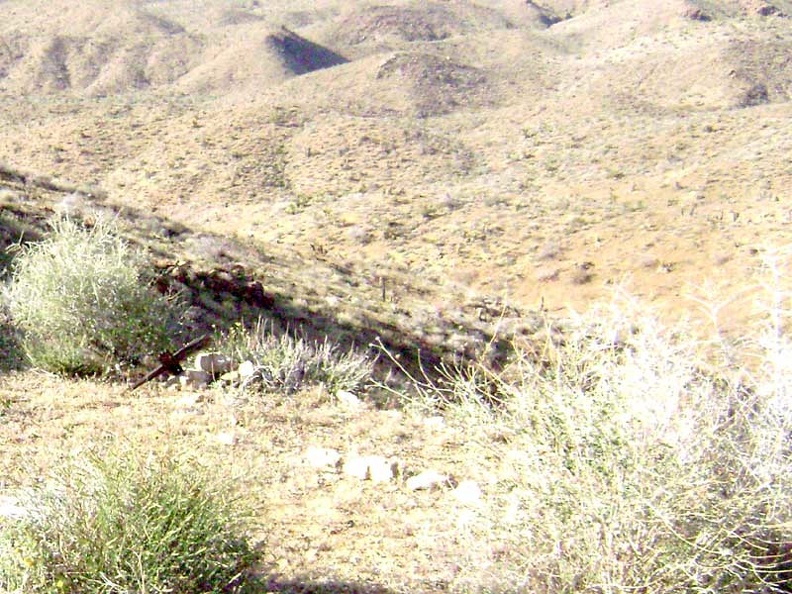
[629,455]
[626,135]
[115,522]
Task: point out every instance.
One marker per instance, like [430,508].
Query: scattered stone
[374,468]
[232,377]
[436,423]
[322,457]
[349,400]
[215,364]
[195,378]
[226,438]
[382,470]
[428,479]
[357,466]
[246,369]
[467,492]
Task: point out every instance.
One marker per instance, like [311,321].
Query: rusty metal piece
[171,362]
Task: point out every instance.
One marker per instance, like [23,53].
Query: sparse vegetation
[81,302]
[282,362]
[640,142]
[127,523]
[636,458]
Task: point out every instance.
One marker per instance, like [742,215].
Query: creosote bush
[635,458]
[12,355]
[81,302]
[127,523]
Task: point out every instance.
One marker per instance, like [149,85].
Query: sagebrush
[634,457]
[288,363]
[127,523]
[82,303]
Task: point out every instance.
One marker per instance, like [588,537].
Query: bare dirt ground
[459,156]
[320,526]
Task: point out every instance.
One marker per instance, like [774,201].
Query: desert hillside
[492,147]
[441,176]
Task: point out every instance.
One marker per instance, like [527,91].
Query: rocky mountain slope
[442,176]
[536,153]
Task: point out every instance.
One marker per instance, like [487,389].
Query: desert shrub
[283,362]
[127,523]
[634,457]
[11,352]
[81,302]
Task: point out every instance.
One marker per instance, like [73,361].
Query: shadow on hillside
[298,586]
[11,353]
[302,56]
[15,228]
[225,282]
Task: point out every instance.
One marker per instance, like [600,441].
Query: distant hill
[490,148]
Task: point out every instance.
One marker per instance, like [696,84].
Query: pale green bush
[283,362]
[81,301]
[127,523]
[634,458]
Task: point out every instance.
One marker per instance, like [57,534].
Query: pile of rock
[215,296]
[379,469]
[212,367]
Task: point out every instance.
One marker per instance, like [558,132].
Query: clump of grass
[127,523]
[633,458]
[283,362]
[82,303]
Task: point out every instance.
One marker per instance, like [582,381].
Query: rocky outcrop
[760,8]
[214,295]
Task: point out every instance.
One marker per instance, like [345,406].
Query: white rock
[428,479]
[434,423]
[467,492]
[381,470]
[375,468]
[215,364]
[232,377]
[246,369]
[356,466]
[226,438]
[349,400]
[189,401]
[322,457]
[195,378]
